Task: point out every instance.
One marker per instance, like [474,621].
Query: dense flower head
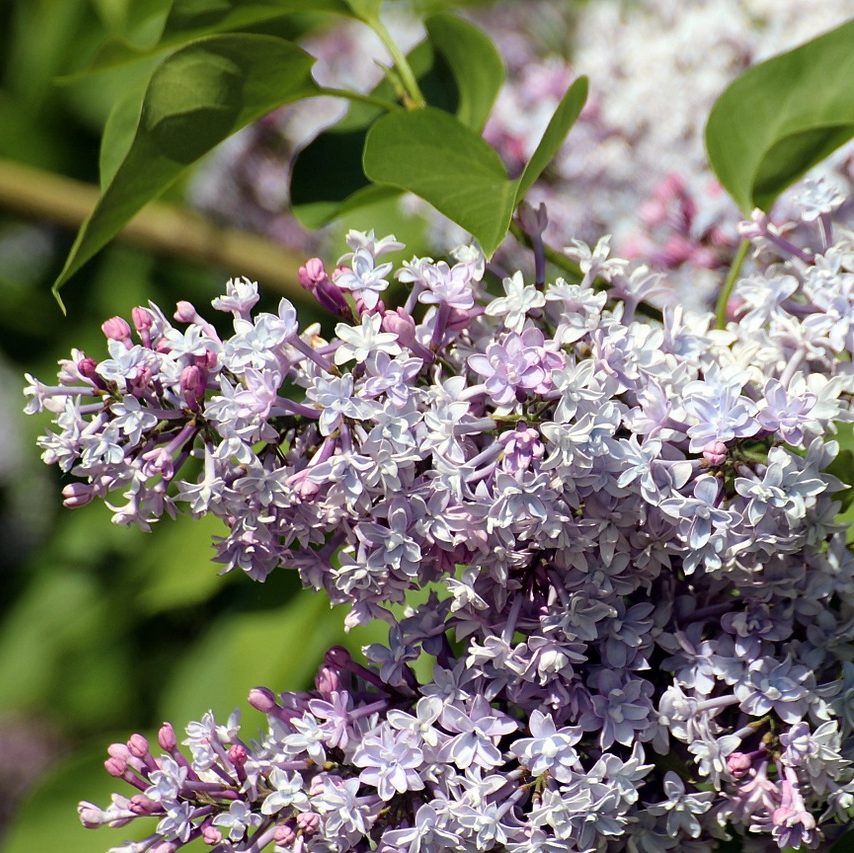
[626,525]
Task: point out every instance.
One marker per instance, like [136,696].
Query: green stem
[401,63]
[381,103]
[729,284]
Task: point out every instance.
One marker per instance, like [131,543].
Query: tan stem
[159,227]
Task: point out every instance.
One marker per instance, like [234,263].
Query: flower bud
[166,737]
[75,495]
[284,835]
[141,319]
[237,755]
[327,680]
[308,822]
[715,453]
[142,805]
[338,657]
[90,815]
[193,384]
[138,745]
[211,835]
[116,329]
[739,764]
[402,324]
[185,312]
[262,699]
[116,767]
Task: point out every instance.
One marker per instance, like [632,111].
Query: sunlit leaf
[476,65]
[432,154]
[560,124]
[196,97]
[783,116]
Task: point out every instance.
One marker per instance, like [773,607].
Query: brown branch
[161,228]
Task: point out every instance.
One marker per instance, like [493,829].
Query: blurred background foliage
[105,629]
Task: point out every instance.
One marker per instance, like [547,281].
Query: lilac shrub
[635,594]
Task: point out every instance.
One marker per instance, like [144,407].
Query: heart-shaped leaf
[476,65]
[435,156]
[432,154]
[196,97]
[783,116]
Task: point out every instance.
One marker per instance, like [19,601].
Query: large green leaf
[182,21]
[476,65]
[435,156]
[119,131]
[432,154]
[783,116]
[560,124]
[196,97]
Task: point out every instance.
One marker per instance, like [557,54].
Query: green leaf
[476,65]
[366,10]
[196,97]
[432,154]
[560,124]
[186,20]
[119,131]
[783,116]
[327,179]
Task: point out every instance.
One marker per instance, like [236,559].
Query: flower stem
[360,97]
[729,284]
[415,98]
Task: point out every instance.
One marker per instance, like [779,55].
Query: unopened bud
[262,699]
[284,835]
[138,745]
[141,319]
[166,737]
[715,453]
[237,755]
[402,324]
[739,764]
[75,495]
[211,835]
[116,329]
[116,767]
[185,312]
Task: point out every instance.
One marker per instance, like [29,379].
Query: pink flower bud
[116,767]
[237,755]
[118,750]
[142,805]
[402,324]
[308,822]
[312,273]
[86,367]
[75,495]
[361,308]
[284,835]
[193,384]
[141,319]
[116,329]
[739,764]
[211,835]
[262,699]
[138,745]
[185,312]
[327,680]
[715,453]
[166,737]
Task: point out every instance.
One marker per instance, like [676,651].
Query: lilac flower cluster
[639,602]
